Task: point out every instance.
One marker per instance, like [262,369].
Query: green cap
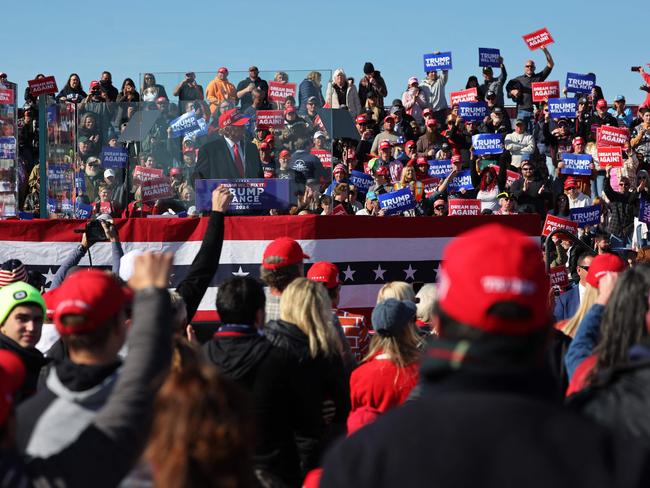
[16,294]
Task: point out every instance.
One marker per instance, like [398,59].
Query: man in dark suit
[229,156]
[567,304]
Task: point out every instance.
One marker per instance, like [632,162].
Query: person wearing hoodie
[372,82]
[72,92]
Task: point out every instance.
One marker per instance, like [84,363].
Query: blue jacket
[585,339]
[567,304]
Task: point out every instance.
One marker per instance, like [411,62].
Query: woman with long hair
[560,206]
[150,90]
[570,326]
[72,92]
[399,290]
[310,87]
[409,180]
[128,92]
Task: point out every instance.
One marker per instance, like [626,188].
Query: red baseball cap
[232,117]
[570,183]
[432,123]
[286,249]
[389,118]
[174,171]
[422,161]
[382,170]
[456,159]
[290,109]
[12,376]
[409,144]
[339,168]
[94,84]
[285,153]
[602,103]
[93,294]
[577,140]
[324,272]
[603,264]
[361,119]
[269,139]
[223,69]
[384,145]
[489,265]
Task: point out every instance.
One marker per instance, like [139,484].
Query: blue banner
[66,205]
[586,215]
[52,114]
[114,157]
[51,205]
[396,202]
[183,124]
[201,130]
[57,175]
[83,210]
[361,181]
[7,148]
[25,216]
[440,168]
[562,108]
[644,210]
[248,193]
[462,181]
[576,164]
[435,62]
[578,83]
[489,57]
[80,182]
[487,144]
[472,111]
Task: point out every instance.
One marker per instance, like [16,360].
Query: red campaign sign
[469,95]
[42,86]
[610,156]
[6,97]
[538,39]
[278,92]
[156,189]
[543,90]
[269,119]
[559,277]
[324,156]
[461,206]
[430,185]
[511,176]
[339,210]
[553,223]
[612,136]
[142,174]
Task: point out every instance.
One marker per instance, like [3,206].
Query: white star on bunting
[379,273]
[410,273]
[240,272]
[349,274]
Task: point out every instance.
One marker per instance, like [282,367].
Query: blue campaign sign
[57,174]
[487,144]
[183,124]
[489,57]
[51,205]
[440,168]
[248,193]
[25,215]
[562,108]
[472,111]
[396,202]
[576,164]
[578,83]
[114,157]
[201,130]
[83,210]
[80,182]
[361,180]
[435,62]
[7,148]
[462,181]
[586,215]
[644,210]
[66,205]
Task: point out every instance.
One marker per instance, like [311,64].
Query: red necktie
[238,162]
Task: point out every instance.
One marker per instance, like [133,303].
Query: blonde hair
[305,303]
[426,302]
[589,298]
[399,290]
[315,77]
[402,350]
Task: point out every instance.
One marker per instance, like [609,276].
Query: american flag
[369,251]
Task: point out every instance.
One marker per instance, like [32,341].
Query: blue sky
[128,38]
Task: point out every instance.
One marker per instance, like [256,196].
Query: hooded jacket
[33,360]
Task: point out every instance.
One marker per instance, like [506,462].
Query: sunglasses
[571,188]
[530,66]
[586,268]
[440,207]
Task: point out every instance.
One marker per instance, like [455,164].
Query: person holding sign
[433,88]
[520,91]
[623,204]
[408,180]
[492,84]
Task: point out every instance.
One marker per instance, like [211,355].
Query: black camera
[95,232]
[635,69]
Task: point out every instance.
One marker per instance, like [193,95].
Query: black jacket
[215,162]
[33,360]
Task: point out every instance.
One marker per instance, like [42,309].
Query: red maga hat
[603,264]
[286,249]
[324,272]
[232,117]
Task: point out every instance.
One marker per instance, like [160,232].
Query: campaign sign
[339,210]
[644,210]
[396,202]
[83,210]
[361,181]
[6,97]
[269,119]
[469,95]
[183,124]
[430,185]
[51,205]
[489,57]
[156,189]
[142,174]
[201,129]
[559,277]
[324,156]
[278,92]
[462,181]
[42,86]
[543,90]
[537,39]
[461,206]
[66,205]
[511,176]
[440,168]
[25,215]
[435,62]
[57,174]
[487,144]
[610,156]
[562,108]
[586,215]
[612,136]
[7,148]
[554,223]
[80,182]
[578,83]
[248,193]
[576,164]
[114,157]
[472,111]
